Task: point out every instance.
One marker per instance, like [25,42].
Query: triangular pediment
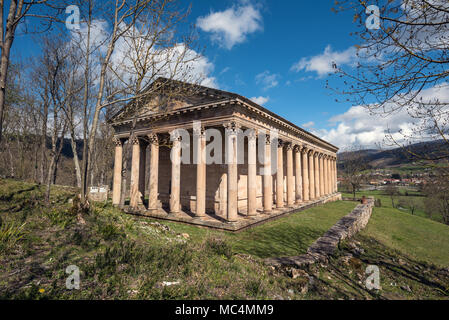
[165,95]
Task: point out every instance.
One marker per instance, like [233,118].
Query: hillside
[379,159]
[122,256]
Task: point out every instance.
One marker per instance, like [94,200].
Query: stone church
[234,164]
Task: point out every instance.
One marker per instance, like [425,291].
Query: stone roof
[185,97]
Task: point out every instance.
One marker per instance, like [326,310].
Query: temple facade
[215,158]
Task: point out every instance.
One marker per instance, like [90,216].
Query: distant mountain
[398,156]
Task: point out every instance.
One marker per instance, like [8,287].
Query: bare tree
[402,66]
[17,12]
[148,30]
[437,191]
[354,164]
[392,191]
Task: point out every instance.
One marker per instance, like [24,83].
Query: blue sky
[288,32]
[279,53]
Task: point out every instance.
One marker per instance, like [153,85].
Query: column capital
[153,138]
[297,148]
[199,131]
[232,127]
[288,146]
[135,140]
[117,141]
[280,143]
[252,134]
[267,139]
[175,135]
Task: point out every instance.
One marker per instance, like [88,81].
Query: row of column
[315,173]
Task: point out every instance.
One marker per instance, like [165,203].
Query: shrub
[110,232]
[59,217]
[10,233]
[255,288]
[219,247]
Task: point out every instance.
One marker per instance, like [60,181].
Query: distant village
[382,177]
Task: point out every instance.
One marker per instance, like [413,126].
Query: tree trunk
[6,44]
[76,161]
[43,143]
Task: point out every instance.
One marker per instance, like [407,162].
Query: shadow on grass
[279,240]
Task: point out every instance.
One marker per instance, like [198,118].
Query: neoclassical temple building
[214,158]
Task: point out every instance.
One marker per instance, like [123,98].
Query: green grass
[121,256]
[415,235]
[412,194]
[292,235]
[420,238]
[288,236]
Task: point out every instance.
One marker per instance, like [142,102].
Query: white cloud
[260,100]
[267,79]
[231,26]
[225,70]
[178,61]
[358,126]
[309,124]
[324,63]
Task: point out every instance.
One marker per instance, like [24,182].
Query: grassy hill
[398,157]
[127,257]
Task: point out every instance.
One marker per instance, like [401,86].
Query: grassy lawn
[121,256]
[288,236]
[125,256]
[414,195]
[420,238]
[416,235]
[292,235]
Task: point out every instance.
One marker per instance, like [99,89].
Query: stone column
[329,175]
[142,170]
[175,196]
[326,174]
[252,174]
[316,170]
[267,178]
[200,136]
[135,196]
[305,175]
[280,175]
[154,171]
[298,175]
[311,175]
[117,187]
[231,157]
[321,159]
[290,177]
[335,175]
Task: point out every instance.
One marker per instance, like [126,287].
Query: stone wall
[326,245]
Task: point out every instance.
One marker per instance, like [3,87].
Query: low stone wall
[326,245]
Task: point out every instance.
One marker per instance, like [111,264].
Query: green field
[416,235]
[415,196]
[122,256]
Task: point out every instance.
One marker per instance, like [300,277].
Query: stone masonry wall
[326,245]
